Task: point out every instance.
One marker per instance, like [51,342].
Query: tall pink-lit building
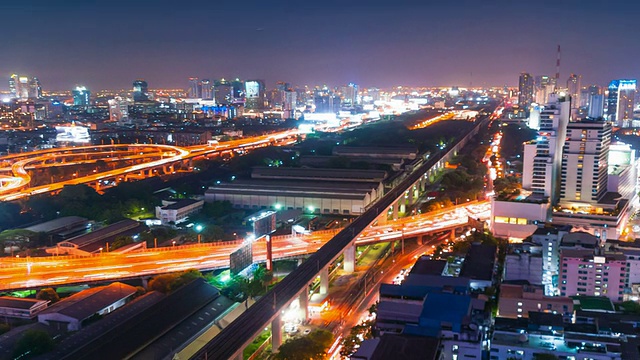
[587,272]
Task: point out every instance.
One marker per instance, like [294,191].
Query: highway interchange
[20,273]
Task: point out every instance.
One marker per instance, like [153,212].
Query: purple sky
[108,44]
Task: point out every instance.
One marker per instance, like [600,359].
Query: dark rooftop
[479,261]
[406,348]
[349,175]
[58,224]
[426,266]
[88,302]
[18,303]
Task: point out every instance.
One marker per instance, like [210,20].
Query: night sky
[108,44]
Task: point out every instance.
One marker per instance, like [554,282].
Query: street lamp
[198,230]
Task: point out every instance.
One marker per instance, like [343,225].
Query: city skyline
[108,45]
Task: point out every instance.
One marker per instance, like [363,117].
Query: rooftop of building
[88,302]
[400,150]
[317,189]
[328,174]
[104,232]
[445,307]
[406,347]
[551,346]
[548,229]
[179,204]
[592,303]
[19,303]
[580,238]
[162,317]
[58,224]
[479,262]
[427,266]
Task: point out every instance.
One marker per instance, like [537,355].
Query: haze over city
[105,44]
[295,180]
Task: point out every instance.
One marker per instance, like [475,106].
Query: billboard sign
[241,259]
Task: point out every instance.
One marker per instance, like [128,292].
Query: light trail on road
[31,272]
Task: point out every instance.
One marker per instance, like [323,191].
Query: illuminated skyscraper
[254,93]
[525,91]
[140,90]
[544,86]
[223,92]
[585,162]
[351,94]
[81,96]
[206,89]
[119,110]
[573,88]
[195,88]
[290,102]
[620,102]
[13,80]
[542,160]
[24,88]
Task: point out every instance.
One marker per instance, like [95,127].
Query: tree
[33,343]
[48,294]
[167,283]
[121,241]
[313,346]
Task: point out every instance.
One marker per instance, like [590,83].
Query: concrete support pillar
[420,240]
[276,333]
[411,193]
[350,259]
[303,299]
[395,210]
[145,282]
[324,281]
[452,235]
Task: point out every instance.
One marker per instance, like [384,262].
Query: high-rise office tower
[543,158]
[207,89]
[573,88]
[289,105]
[544,87]
[255,94]
[525,91]
[81,96]
[596,106]
[626,102]
[351,94]
[35,89]
[620,102]
[119,110]
[585,162]
[223,92]
[195,88]
[140,90]
[13,80]
[238,93]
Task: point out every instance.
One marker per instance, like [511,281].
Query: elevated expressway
[34,272]
[230,343]
[15,180]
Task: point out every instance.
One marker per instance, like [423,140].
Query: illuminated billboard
[264,223]
[74,134]
[241,259]
[252,89]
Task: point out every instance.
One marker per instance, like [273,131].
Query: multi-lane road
[15,179]
[20,273]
